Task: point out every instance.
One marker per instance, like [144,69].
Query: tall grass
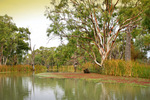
[21,68]
[123,68]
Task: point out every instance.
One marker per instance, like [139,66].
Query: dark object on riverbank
[86,70]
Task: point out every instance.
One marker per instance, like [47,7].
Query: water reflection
[13,87]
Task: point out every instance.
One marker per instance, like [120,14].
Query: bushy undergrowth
[123,68]
[21,68]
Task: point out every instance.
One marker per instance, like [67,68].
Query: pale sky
[30,14]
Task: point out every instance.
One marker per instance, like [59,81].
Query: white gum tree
[95,24]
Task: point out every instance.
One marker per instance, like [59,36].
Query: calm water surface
[31,87]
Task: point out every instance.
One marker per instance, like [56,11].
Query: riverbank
[93,77]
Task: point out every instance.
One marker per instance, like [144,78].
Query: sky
[30,14]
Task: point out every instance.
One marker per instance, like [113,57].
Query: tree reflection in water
[77,89]
[15,87]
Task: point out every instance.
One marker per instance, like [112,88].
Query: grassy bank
[21,68]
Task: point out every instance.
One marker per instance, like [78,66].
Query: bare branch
[116,3]
[131,23]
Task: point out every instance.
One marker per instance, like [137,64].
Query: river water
[30,87]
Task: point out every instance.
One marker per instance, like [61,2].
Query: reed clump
[21,68]
[129,69]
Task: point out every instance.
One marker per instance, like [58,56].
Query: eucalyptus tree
[13,41]
[94,24]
